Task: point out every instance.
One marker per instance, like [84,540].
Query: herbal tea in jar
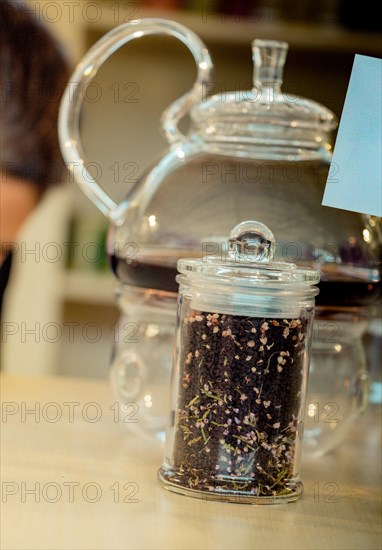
[240,373]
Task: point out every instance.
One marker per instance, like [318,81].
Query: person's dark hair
[33,75]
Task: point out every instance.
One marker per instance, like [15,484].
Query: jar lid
[249,262]
[264,115]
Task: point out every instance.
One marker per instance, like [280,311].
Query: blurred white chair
[33,303]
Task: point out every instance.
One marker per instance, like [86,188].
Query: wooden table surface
[73,477]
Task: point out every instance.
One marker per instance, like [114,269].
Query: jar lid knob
[252,242]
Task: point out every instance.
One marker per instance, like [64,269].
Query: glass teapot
[257,153]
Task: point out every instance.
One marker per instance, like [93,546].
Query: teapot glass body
[254,154]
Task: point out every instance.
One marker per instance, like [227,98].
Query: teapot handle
[70,109]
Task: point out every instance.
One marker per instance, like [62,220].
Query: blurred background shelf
[89,287]
[90,320]
[238,29]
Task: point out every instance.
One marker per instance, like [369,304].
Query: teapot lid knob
[269,60]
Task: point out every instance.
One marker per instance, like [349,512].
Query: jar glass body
[237,399]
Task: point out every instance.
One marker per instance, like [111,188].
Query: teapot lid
[265,112]
[249,261]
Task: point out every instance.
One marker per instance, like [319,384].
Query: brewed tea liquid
[160,270]
[146,274]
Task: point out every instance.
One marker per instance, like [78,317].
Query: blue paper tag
[355,178]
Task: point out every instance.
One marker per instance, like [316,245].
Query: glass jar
[239,373]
